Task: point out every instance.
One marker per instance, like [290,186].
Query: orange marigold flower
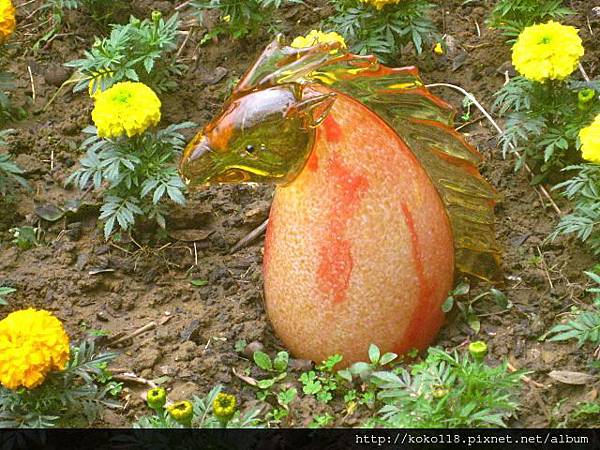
[8,22]
[32,343]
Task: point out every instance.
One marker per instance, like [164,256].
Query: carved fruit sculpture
[378,198]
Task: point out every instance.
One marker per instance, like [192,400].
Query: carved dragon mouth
[197,168]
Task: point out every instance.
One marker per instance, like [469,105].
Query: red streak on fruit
[425,318]
[335,255]
[333,132]
[313,161]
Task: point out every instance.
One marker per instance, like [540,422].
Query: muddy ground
[122,286]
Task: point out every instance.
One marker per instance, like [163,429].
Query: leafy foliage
[237,18]
[446,390]
[8,112]
[460,298]
[4,291]
[26,236]
[583,325]
[10,173]
[73,397]
[542,123]
[512,16]
[100,10]
[583,190]
[137,173]
[383,32]
[136,51]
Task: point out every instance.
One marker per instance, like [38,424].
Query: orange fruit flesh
[359,248]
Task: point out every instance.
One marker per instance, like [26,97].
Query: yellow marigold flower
[380,4]
[125,108]
[549,51]
[224,406]
[8,22]
[590,141]
[32,343]
[316,37]
[182,412]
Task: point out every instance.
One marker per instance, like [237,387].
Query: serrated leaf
[265,384]
[280,362]
[263,360]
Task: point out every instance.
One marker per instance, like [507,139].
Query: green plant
[324,381]
[446,390]
[26,237]
[240,345]
[137,172]
[284,398]
[582,325]
[238,18]
[101,11]
[512,16]
[278,367]
[10,173]
[586,414]
[459,297]
[321,420]
[383,32]
[4,291]
[543,121]
[583,190]
[136,51]
[8,112]
[105,378]
[72,397]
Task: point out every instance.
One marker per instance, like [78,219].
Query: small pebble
[251,348]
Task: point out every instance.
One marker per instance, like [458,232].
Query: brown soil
[149,280]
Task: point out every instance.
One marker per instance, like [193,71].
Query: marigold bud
[478,350]
[224,406]
[182,412]
[584,98]
[156,16]
[440,392]
[156,398]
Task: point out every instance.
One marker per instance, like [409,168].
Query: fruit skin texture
[359,248]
